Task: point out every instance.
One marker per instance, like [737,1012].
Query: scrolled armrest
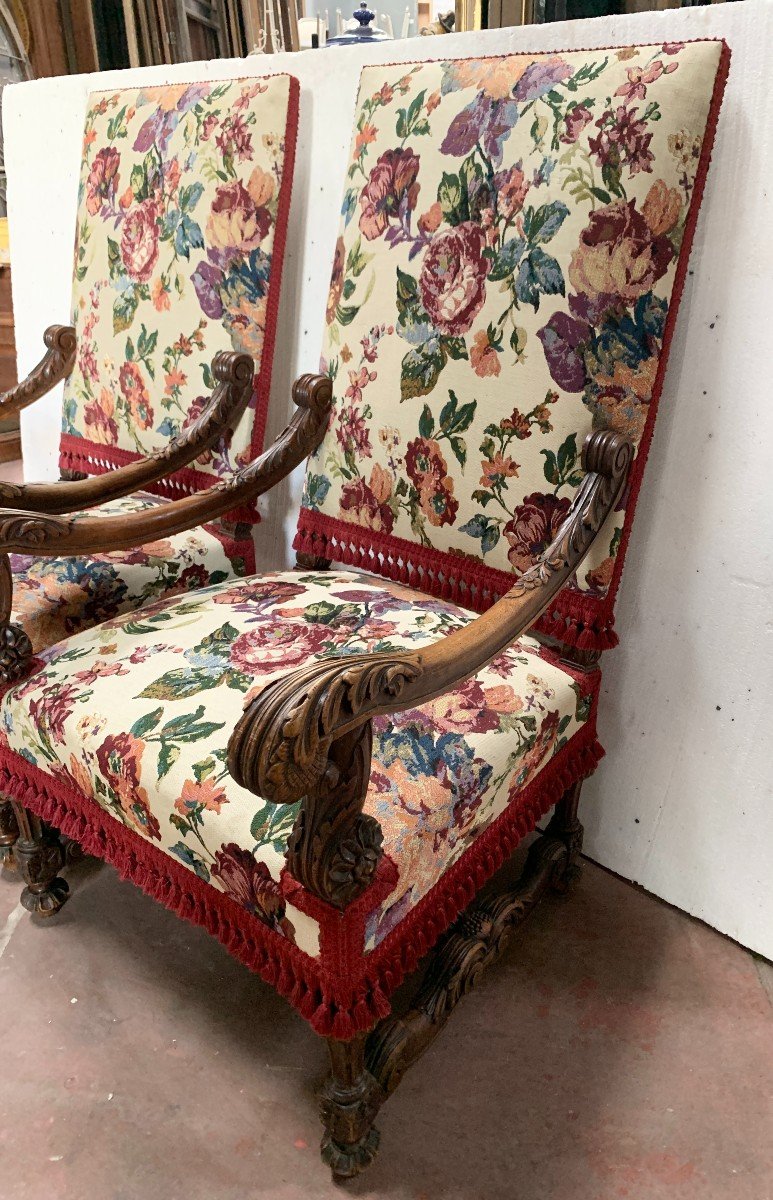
[55,364]
[280,749]
[26,532]
[233,384]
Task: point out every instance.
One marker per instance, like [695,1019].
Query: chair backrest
[182,216]
[513,247]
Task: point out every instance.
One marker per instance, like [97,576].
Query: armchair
[182,214]
[324,767]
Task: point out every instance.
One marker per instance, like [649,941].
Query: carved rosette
[15,653]
[334,849]
[301,738]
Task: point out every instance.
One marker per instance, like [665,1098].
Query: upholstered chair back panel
[182,214]
[512,247]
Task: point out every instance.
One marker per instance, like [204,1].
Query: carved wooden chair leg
[564,824]
[349,1103]
[39,856]
[9,832]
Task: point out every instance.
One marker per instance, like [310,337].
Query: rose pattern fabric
[137,713]
[55,597]
[508,248]
[178,207]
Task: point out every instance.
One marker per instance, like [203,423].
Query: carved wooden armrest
[55,364]
[307,736]
[233,374]
[27,532]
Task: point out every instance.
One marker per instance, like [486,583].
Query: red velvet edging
[344,991]
[81,454]
[576,617]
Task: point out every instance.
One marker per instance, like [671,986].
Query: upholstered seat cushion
[137,718]
[55,597]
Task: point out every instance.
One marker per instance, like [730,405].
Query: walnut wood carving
[233,374]
[9,832]
[55,364]
[349,1103]
[360,1081]
[15,646]
[334,848]
[39,857]
[288,739]
[24,532]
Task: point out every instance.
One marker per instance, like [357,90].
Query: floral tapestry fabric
[507,259]
[55,597]
[137,713]
[183,201]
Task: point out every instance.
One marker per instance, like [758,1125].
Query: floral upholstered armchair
[183,205]
[323,767]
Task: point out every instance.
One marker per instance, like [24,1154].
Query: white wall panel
[682,804]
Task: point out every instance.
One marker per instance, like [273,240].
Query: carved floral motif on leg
[9,832]
[39,856]
[564,824]
[349,1103]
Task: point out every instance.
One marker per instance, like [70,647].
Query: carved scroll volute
[280,747]
[314,392]
[297,742]
[233,374]
[334,848]
[56,363]
[61,341]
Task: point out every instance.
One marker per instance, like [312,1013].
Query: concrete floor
[619,1049]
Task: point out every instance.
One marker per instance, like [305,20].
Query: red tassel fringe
[344,991]
[577,618]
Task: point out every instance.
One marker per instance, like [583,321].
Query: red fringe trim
[344,991]
[578,618]
[80,454]
[293,973]
[574,617]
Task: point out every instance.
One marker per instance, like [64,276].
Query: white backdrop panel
[682,804]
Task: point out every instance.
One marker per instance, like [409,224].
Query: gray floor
[619,1050]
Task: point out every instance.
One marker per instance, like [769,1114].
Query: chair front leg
[39,856]
[349,1103]
[565,825]
[9,832]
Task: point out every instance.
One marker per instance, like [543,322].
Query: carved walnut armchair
[324,767]
[182,217]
